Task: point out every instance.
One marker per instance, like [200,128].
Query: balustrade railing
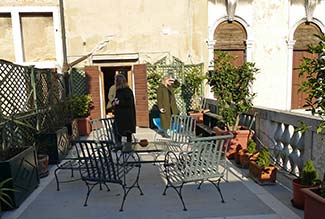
[277,130]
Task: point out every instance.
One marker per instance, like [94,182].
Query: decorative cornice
[310,6]
[231,8]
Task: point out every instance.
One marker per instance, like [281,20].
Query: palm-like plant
[4,196]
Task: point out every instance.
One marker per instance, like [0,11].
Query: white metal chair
[204,160]
[181,131]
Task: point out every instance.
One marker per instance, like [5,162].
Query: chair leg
[57,179]
[179,192]
[199,187]
[89,188]
[124,197]
[218,188]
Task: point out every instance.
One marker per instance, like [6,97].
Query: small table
[149,153]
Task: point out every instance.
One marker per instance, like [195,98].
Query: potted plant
[250,153]
[315,201]
[231,86]
[18,163]
[261,170]
[52,138]
[81,105]
[308,179]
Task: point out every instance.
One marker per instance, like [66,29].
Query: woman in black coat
[124,109]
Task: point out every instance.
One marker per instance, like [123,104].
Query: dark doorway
[109,73]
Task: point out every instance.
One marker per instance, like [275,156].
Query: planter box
[54,144]
[22,168]
[245,157]
[314,205]
[262,175]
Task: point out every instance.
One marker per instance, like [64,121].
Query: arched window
[304,36]
[231,37]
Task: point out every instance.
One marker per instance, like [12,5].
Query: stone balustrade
[276,129]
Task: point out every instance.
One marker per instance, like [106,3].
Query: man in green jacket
[166,102]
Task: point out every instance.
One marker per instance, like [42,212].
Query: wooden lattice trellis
[31,100]
[78,81]
[185,97]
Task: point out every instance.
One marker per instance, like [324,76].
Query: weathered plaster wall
[270,52]
[31,37]
[147,27]
[6,38]
[38,37]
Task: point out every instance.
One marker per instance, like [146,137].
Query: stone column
[290,44]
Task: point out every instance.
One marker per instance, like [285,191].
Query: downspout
[65,67]
[64,44]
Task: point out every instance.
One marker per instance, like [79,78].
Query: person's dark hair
[120,81]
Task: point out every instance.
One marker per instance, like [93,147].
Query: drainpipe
[65,67]
[64,44]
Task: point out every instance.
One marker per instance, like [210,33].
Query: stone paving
[244,199]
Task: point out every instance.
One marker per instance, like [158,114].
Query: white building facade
[277,32]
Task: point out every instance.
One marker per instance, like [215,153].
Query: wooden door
[141,95]
[298,99]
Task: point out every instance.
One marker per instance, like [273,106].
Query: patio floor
[244,199]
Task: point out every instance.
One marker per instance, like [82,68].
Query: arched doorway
[231,37]
[304,36]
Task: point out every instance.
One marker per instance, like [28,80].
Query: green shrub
[251,146]
[81,105]
[263,159]
[309,174]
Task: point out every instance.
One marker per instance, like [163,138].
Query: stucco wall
[146,27]
[6,38]
[270,52]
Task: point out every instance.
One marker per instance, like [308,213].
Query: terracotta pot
[239,141]
[298,199]
[83,126]
[245,157]
[199,116]
[314,204]
[266,175]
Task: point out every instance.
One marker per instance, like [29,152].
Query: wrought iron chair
[181,131]
[204,160]
[99,165]
[102,130]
